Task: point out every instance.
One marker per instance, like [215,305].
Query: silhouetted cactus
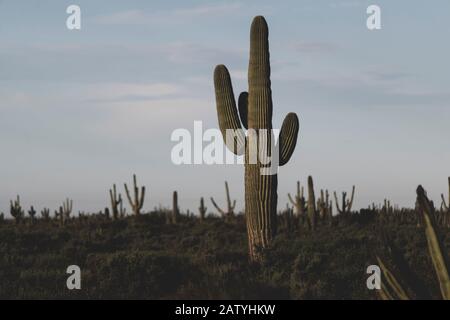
[298,201]
[255,113]
[45,213]
[445,205]
[32,213]
[325,205]
[116,202]
[16,210]
[202,209]
[175,208]
[346,204]
[312,213]
[138,202]
[230,207]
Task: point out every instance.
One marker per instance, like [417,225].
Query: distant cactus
[116,202]
[138,202]
[45,213]
[346,204]
[325,205]
[255,113]
[175,209]
[32,213]
[229,212]
[445,205]
[298,201]
[312,213]
[16,210]
[202,209]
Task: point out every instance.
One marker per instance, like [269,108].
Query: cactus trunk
[255,110]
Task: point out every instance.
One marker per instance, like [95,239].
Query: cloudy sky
[81,110]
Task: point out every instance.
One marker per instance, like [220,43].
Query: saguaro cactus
[16,210]
[202,209]
[445,206]
[255,114]
[325,205]
[116,201]
[346,204]
[32,213]
[230,207]
[312,213]
[175,208]
[138,202]
[298,201]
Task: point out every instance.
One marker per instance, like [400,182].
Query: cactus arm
[217,207]
[127,192]
[444,204]
[392,282]
[291,200]
[288,138]
[227,111]
[243,108]
[337,202]
[141,201]
[350,203]
[435,247]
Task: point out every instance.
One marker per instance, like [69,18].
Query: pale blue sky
[81,110]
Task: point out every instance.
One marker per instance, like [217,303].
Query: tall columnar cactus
[116,202]
[312,214]
[229,212]
[175,208]
[202,209]
[138,202]
[255,114]
[445,205]
[16,209]
[346,204]
[298,201]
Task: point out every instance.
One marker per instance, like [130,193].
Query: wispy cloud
[140,17]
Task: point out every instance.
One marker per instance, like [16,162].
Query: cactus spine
[138,202]
[255,112]
[230,207]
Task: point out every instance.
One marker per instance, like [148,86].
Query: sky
[83,109]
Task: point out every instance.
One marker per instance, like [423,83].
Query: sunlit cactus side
[298,201]
[202,209]
[391,287]
[229,212]
[175,208]
[312,213]
[346,206]
[138,202]
[445,205]
[16,210]
[435,246]
[255,113]
[116,202]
